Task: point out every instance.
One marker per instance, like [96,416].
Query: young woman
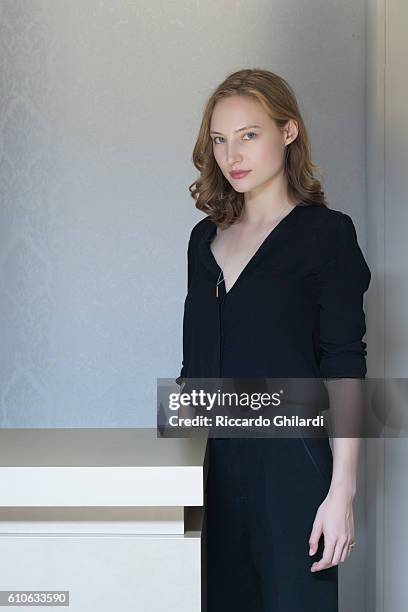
[275,289]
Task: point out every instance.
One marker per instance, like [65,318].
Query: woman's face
[258,149]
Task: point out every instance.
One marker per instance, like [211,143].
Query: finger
[327,557]
[351,538]
[350,550]
[341,546]
[315,537]
[345,553]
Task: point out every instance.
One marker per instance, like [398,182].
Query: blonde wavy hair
[213,193]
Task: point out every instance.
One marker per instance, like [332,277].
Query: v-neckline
[257,253]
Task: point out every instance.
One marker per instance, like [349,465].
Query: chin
[244,188]
[240,187]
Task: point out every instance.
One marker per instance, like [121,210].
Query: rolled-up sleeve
[342,282]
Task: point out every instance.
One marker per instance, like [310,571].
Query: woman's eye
[246,134]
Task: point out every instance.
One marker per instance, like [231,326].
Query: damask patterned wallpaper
[100,103]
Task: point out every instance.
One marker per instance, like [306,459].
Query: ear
[290,131]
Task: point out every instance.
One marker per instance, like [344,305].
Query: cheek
[268,155]
[217,157]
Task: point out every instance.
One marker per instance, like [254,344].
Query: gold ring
[353,543]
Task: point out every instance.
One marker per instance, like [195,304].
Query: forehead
[236,111]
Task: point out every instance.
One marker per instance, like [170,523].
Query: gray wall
[387,221]
[396,302]
[99,109]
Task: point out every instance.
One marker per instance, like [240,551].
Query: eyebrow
[246,127]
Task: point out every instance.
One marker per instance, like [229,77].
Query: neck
[266,203]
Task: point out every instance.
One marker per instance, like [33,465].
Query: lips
[239,173]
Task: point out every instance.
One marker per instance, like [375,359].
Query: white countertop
[100,467]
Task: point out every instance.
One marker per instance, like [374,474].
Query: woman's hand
[334,519]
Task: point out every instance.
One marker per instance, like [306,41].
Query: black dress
[296,310]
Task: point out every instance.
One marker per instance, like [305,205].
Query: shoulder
[200,228]
[328,235]
[320,220]
[322,214]
[325,221]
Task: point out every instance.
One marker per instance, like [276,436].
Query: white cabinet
[114,516]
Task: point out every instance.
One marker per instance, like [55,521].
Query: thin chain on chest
[253,251]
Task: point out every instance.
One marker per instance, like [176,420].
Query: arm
[181,379]
[346,412]
[334,518]
[345,460]
[343,279]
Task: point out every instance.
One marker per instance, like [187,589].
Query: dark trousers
[261,501]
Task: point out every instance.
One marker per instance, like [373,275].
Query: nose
[234,157]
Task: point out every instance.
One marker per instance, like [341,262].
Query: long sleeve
[342,282]
[190,266]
